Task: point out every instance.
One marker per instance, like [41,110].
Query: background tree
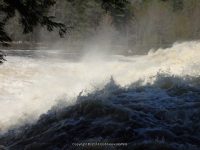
[31,13]
[138,24]
[83,16]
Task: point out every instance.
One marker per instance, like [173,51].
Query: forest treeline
[133,24]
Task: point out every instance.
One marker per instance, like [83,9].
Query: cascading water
[31,86]
[153,99]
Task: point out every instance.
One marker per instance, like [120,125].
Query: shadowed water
[151,102]
[164,115]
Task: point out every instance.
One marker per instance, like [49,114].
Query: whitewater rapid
[29,86]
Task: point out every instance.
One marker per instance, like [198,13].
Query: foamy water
[31,86]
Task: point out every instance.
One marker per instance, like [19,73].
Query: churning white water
[31,86]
